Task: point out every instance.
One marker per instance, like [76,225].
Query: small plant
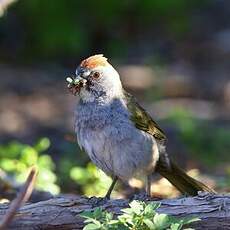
[16,158]
[93,181]
[139,216]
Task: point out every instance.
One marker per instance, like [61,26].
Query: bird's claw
[143,197]
[97,201]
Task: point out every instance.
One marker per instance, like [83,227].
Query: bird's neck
[103,96]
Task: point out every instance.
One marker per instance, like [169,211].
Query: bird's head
[95,79]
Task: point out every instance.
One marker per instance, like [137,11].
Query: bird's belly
[124,153]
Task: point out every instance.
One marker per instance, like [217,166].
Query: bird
[118,135]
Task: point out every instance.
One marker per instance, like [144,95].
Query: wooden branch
[63,212]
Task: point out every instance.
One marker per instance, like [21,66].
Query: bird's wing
[142,119]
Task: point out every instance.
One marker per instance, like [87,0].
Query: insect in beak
[75,84]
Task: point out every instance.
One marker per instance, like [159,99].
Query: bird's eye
[96,75]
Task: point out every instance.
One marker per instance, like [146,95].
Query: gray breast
[111,140]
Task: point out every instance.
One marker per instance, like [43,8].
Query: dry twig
[22,197]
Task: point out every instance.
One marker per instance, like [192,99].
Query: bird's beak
[75,83]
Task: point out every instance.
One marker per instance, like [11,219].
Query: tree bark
[63,212]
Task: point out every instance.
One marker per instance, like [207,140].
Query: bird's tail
[184,183]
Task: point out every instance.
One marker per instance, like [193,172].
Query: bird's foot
[143,196]
[97,201]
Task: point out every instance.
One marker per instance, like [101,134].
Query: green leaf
[127,210]
[151,207]
[96,222]
[114,222]
[176,226]
[47,176]
[188,220]
[49,186]
[80,175]
[87,214]
[149,224]
[108,216]
[42,145]
[45,161]
[161,221]
[155,205]
[88,220]
[29,155]
[97,213]
[91,227]
[136,206]
[8,164]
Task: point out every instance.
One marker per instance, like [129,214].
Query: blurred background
[174,56]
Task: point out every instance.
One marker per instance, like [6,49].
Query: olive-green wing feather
[142,119]
[170,171]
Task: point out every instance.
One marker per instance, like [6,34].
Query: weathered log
[63,212]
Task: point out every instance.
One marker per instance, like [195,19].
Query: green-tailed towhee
[119,136]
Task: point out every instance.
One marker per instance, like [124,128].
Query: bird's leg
[98,201]
[148,186]
[111,187]
[143,196]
